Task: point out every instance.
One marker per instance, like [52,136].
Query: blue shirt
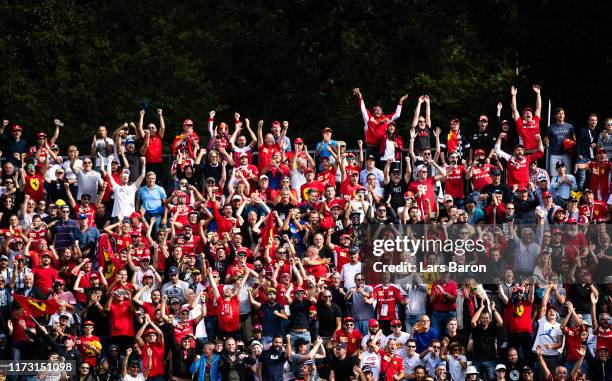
[557,133]
[64,234]
[271,322]
[152,199]
[272,362]
[423,339]
[322,147]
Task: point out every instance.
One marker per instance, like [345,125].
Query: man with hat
[482,139]
[348,336]
[188,140]
[342,362]
[528,121]
[88,344]
[152,347]
[45,274]
[375,123]
[370,169]
[563,185]
[471,374]
[517,168]
[600,367]
[12,143]
[525,201]
[299,317]
[594,210]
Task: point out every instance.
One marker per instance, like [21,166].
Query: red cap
[149,331]
[16,128]
[335,203]
[395,322]
[243,154]
[409,194]
[602,346]
[135,215]
[479,151]
[69,337]
[599,150]
[215,272]
[185,308]
[257,327]
[483,117]
[571,220]
[348,319]
[326,129]
[455,120]
[546,194]
[372,323]
[60,281]
[19,256]
[94,276]
[187,122]
[298,140]
[276,123]
[521,188]
[343,236]
[88,322]
[308,170]
[297,289]
[41,135]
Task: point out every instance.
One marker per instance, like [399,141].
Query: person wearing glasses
[88,180]
[349,336]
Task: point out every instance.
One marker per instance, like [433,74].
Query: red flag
[268,230]
[106,258]
[37,307]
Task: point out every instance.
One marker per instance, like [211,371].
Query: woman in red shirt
[121,312]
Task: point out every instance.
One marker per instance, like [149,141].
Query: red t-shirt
[18,332]
[88,355]
[346,189]
[183,329]
[386,300]
[43,278]
[390,365]
[89,212]
[481,176]
[228,314]
[442,304]
[352,340]
[518,170]
[157,358]
[122,242]
[265,154]
[33,186]
[596,212]
[327,177]
[603,336]
[154,150]
[528,131]
[342,257]
[518,317]
[427,189]
[454,181]
[573,342]
[121,319]
[600,173]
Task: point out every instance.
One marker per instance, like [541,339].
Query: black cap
[526,368]
[370,157]
[495,172]
[559,164]
[366,369]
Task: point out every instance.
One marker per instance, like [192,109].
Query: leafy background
[92,62]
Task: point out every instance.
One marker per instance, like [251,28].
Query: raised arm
[538,107]
[515,113]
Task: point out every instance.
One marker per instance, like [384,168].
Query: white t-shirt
[547,334]
[101,149]
[125,200]
[455,369]
[69,174]
[348,274]
[373,361]
[139,377]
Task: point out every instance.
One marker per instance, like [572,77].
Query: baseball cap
[326,129]
[263,177]
[526,368]
[395,322]
[16,128]
[370,157]
[587,191]
[479,151]
[559,164]
[500,366]
[542,177]
[483,117]
[348,319]
[255,343]
[366,369]
[88,323]
[372,323]
[257,327]
[546,194]
[298,140]
[341,345]
[82,216]
[601,346]
[495,172]
[173,270]
[471,370]
[129,140]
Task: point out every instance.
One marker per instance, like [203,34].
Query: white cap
[471,370]
[500,366]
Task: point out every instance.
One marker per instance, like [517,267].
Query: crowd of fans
[245,256]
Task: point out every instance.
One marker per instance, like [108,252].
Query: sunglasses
[397,326]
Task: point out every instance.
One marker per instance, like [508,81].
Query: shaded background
[92,62]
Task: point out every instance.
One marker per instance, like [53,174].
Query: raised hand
[536,89]
[159,111]
[513,91]
[357,92]
[211,114]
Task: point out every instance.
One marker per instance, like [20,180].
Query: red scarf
[452,142]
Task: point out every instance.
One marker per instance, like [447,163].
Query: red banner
[37,307]
[106,258]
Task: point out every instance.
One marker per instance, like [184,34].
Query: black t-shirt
[283,210]
[300,315]
[343,369]
[272,362]
[580,296]
[485,342]
[327,318]
[397,193]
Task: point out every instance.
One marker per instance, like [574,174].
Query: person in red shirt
[518,316]
[517,166]
[443,295]
[391,365]
[45,275]
[228,313]
[84,207]
[480,171]
[152,143]
[348,335]
[33,181]
[121,314]
[594,210]
[267,146]
[152,349]
[454,182]
[311,183]
[600,174]
[187,140]
[89,345]
[387,297]
[575,336]
[375,123]
[424,188]
[328,175]
[528,122]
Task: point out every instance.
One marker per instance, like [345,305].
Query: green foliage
[91,63]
